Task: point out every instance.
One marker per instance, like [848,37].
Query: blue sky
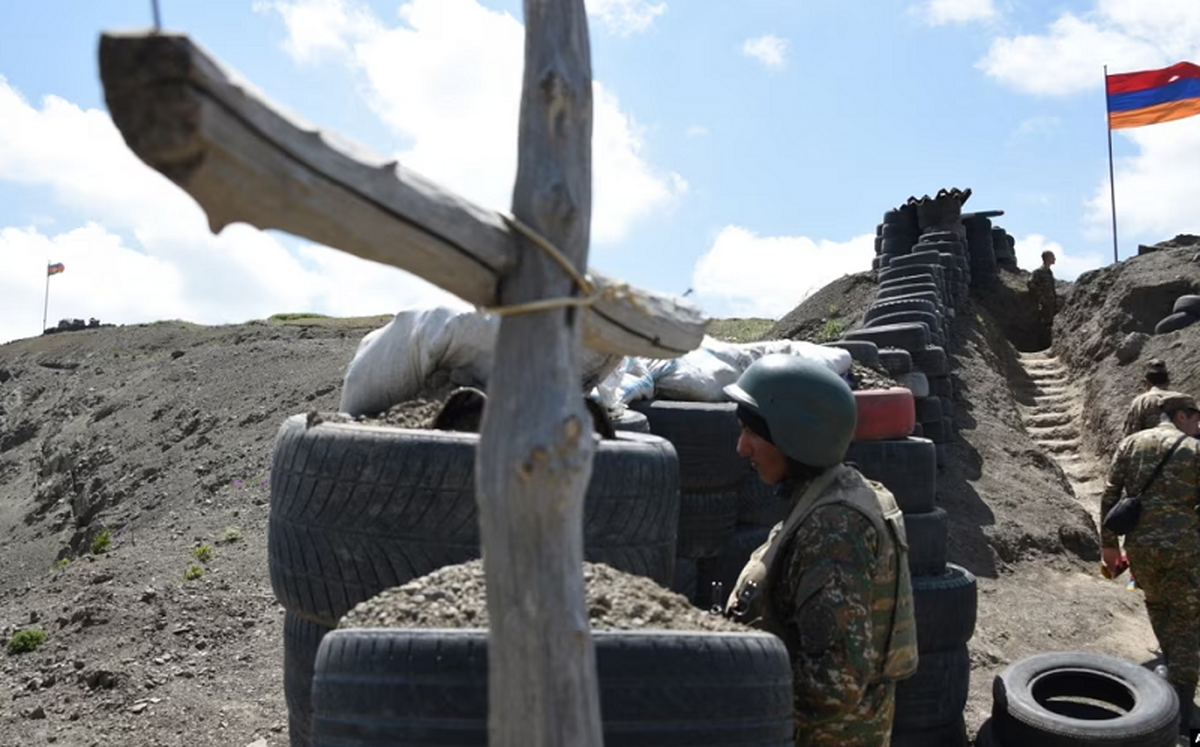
[744,151]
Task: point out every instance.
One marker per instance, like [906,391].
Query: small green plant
[24,641]
[192,572]
[203,553]
[834,310]
[101,542]
[230,535]
[61,563]
[831,330]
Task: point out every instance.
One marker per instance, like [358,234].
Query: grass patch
[203,553]
[61,563]
[321,320]
[740,330]
[24,641]
[230,535]
[192,572]
[831,330]
[101,542]
[295,317]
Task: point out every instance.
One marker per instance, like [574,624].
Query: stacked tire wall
[923,286]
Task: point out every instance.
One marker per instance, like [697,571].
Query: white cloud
[625,17]
[1070,55]
[1066,266]
[1156,189]
[1040,126]
[142,250]
[768,49]
[696,131]
[744,274]
[448,80]
[943,12]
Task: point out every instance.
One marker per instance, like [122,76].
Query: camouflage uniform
[835,600]
[1145,411]
[1041,285]
[1164,548]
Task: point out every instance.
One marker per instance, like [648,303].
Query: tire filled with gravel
[668,674]
[455,597]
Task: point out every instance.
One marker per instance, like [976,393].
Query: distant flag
[1153,96]
[55,268]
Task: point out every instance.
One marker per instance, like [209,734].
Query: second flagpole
[46,303]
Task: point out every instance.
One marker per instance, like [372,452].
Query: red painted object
[884,414]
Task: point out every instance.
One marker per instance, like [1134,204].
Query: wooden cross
[242,159]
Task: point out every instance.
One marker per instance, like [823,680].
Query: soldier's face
[768,461]
[1188,421]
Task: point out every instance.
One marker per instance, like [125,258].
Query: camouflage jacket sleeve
[826,593]
[1114,488]
[1133,417]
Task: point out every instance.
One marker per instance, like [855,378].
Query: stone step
[1058,446]
[1055,380]
[1053,432]
[1040,418]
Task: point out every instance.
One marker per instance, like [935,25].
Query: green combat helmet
[809,410]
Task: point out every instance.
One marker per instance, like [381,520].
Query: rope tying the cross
[590,295]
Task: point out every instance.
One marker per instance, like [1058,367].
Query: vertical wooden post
[535,455]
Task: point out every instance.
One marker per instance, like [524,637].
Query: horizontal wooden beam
[243,158]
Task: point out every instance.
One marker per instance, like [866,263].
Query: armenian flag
[55,268]
[1153,96]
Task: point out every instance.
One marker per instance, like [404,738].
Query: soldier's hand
[1111,557]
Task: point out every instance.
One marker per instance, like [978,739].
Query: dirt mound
[161,435]
[824,315]
[1105,334]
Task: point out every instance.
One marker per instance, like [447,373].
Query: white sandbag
[394,363]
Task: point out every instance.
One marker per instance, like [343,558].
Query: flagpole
[1112,183]
[46,305]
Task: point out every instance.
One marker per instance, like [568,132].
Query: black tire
[1174,323]
[1187,305]
[908,337]
[926,291]
[705,436]
[937,694]
[907,467]
[759,504]
[705,521]
[926,533]
[932,321]
[915,382]
[892,306]
[632,421]
[656,687]
[301,639]
[931,360]
[950,735]
[923,257]
[946,607]
[727,566]
[894,245]
[940,237]
[929,408]
[866,353]
[941,386]
[359,509]
[1026,694]
[685,578]
[914,271]
[935,430]
[895,361]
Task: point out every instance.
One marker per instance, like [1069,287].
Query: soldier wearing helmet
[832,580]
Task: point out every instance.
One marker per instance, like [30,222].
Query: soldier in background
[1041,286]
[832,580]
[1145,410]
[1164,548]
